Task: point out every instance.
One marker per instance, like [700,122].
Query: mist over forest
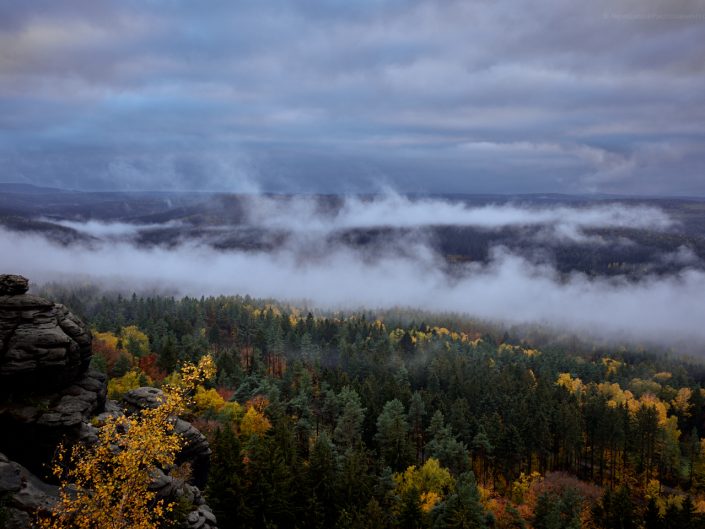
[324,264]
[614,268]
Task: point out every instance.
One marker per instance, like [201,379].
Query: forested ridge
[402,420]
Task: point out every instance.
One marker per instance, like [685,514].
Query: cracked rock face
[42,344]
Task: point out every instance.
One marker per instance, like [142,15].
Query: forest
[412,420]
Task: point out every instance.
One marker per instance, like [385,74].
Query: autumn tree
[106,485]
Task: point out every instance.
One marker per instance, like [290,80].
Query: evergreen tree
[348,427]
[225,490]
[322,476]
[392,435]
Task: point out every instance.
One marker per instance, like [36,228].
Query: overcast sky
[354,95]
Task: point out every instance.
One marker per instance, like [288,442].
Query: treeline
[368,421]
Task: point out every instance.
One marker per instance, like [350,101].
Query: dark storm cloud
[331,95]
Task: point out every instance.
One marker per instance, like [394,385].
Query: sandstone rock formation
[48,395]
[42,344]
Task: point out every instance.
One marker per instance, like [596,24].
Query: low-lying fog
[509,288]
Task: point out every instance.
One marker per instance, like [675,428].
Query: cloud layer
[508,288]
[304,214]
[326,95]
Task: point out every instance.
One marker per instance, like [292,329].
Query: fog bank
[305,214]
[508,289]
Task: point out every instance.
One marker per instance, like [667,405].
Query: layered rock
[42,344]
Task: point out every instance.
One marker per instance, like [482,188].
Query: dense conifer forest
[410,420]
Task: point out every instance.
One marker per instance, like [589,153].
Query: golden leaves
[106,485]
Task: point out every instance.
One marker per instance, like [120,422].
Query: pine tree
[392,435]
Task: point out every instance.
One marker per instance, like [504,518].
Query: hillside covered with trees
[406,420]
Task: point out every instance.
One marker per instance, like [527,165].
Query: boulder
[12,285]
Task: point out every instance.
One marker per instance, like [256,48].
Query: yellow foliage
[207,400]
[485,494]
[521,486]
[650,401]
[573,385]
[640,386]
[232,410]
[672,499]
[653,490]
[254,423]
[107,338]
[681,402]
[612,365]
[117,387]
[614,393]
[507,348]
[131,334]
[429,500]
[662,377]
[431,480]
[106,485]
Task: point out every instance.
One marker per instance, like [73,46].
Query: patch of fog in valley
[405,271]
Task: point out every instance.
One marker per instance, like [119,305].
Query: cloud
[304,214]
[322,96]
[408,273]
[107,230]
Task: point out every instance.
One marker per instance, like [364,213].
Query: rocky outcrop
[48,395]
[42,344]
[40,420]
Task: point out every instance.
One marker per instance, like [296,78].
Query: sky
[337,96]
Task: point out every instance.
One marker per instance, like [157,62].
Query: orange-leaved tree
[106,485]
